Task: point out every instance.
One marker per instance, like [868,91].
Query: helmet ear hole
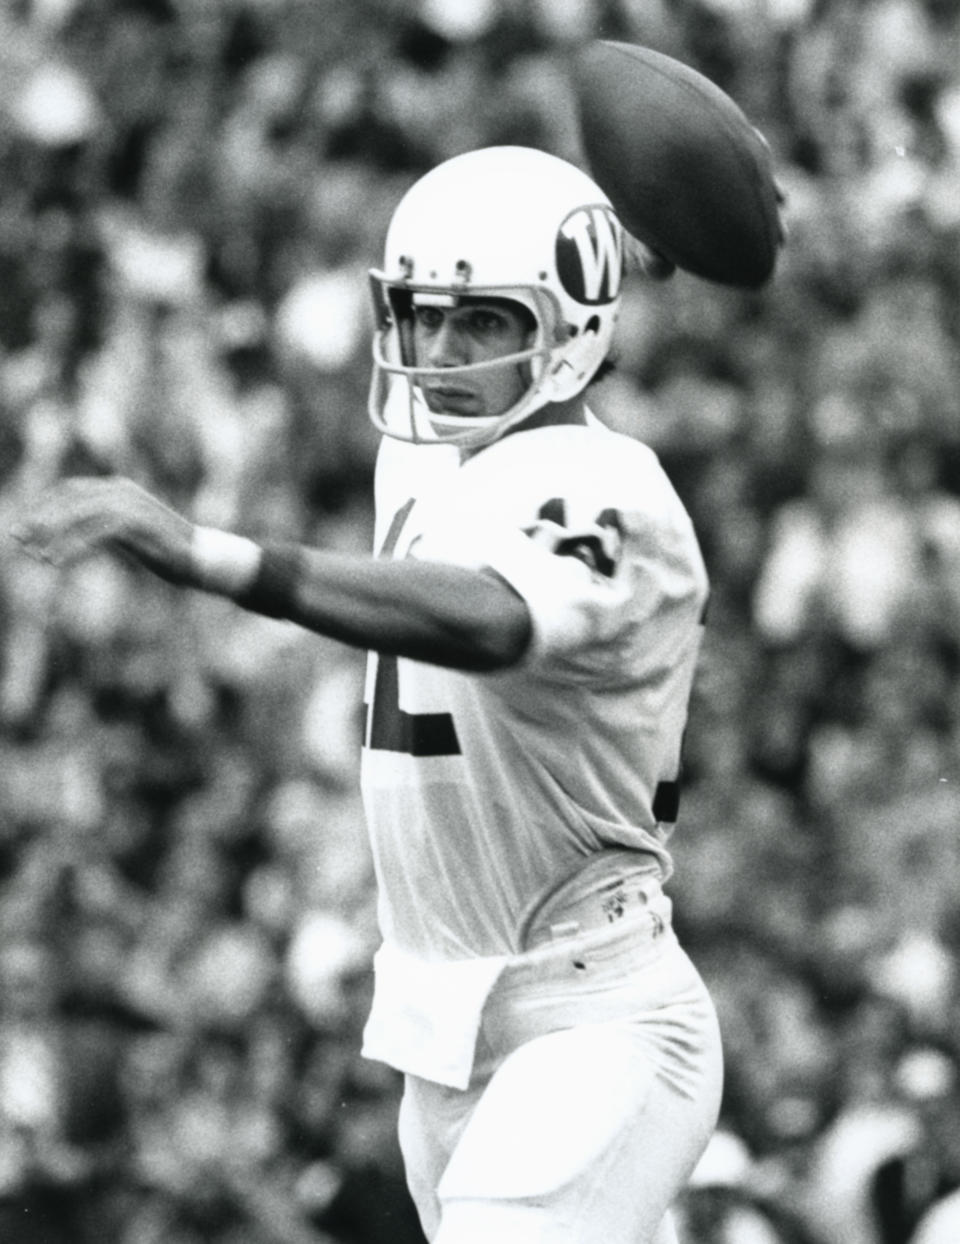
[592,325]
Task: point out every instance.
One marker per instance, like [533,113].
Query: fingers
[69,523]
[82,517]
[63,546]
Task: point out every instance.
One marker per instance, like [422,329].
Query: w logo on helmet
[590,255]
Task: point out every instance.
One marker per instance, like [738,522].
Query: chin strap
[570,374]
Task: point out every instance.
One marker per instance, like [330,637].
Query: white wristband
[222,561]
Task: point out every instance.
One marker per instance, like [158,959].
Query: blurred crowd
[191,192]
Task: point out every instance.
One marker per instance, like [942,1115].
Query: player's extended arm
[443,614]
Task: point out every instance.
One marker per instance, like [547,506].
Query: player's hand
[646,261]
[80,518]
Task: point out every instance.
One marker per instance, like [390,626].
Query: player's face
[474,331]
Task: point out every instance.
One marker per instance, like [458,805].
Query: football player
[533,611]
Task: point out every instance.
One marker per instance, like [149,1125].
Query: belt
[612,888]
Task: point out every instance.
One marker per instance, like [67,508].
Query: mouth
[449,390]
[445,398]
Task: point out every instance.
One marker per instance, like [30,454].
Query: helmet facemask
[400,377]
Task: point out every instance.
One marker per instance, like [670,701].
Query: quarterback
[533,613]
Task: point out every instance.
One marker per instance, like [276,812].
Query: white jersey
[482,791]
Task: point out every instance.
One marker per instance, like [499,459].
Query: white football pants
[596,1087]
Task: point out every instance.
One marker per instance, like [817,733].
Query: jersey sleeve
[602,570]
[599,590]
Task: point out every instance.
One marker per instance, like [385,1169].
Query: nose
[446,347]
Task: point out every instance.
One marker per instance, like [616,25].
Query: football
[687,173]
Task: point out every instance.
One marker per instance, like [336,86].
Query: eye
[487,323]
[429,317]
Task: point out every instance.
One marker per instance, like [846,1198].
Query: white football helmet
[502,222]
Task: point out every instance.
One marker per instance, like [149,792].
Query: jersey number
[389,728]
